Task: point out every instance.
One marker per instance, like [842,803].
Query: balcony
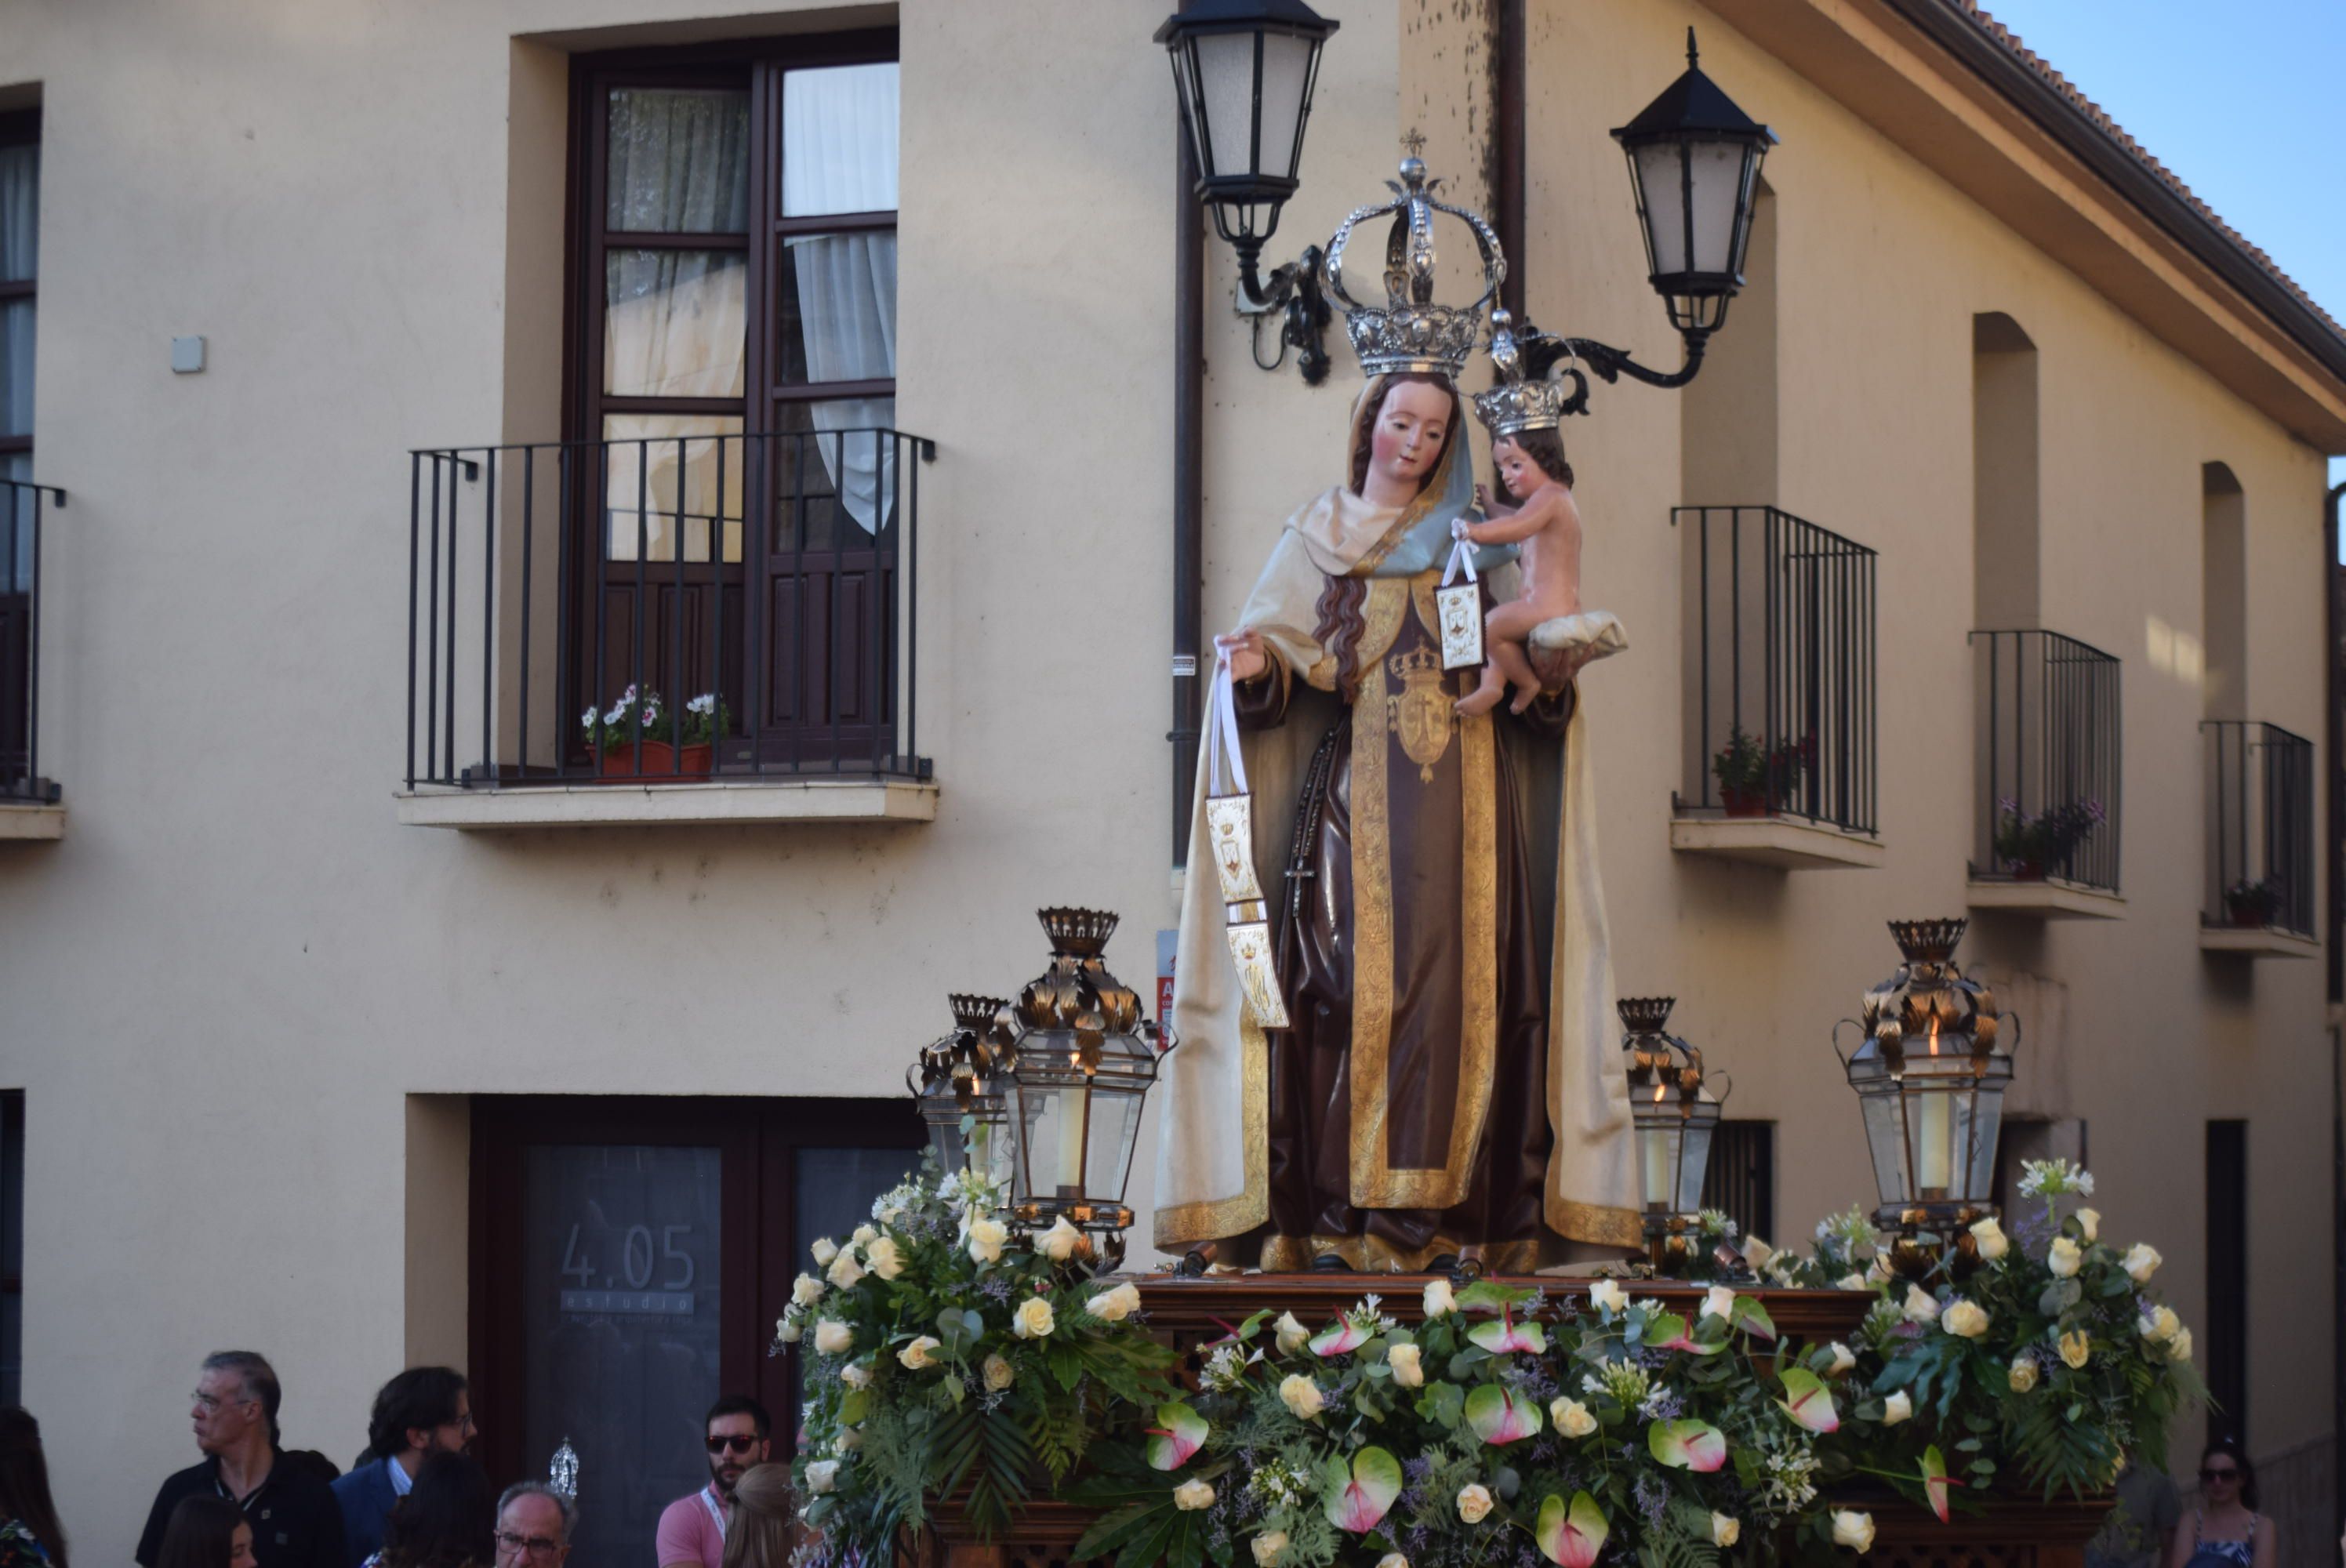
[698,629]
[1778,712]
[2045,775]
[32,805]
[2260,785]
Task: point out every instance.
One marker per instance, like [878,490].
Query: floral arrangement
[2046,841]
[641,715]
[1743,767]
[1510,1428]
[2254,902]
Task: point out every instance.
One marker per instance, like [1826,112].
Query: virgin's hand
[1244,649]
[1482,499]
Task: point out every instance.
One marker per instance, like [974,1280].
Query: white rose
[1292,1335]
[1719,1302]
[987,1239]
[1897,1408]
[1758,1253]
[1034,1319]
[1115,1306]
[824,1251]
[916,1355]
[1474,1502]
[1878,1269]
[1570,1417]
[1193,1495]
[1439,1302]
[788,1330]
[848,1441]
[1608,1298]
[1964,1319]
[999,1374]
[833,1337]
[1059,1243]
[1301,1395]
[822,1475]
[806,1290]
[1407,1373]
[1268,1547]
[1843,1359]
[1725,1530]
[884,1259]
[1850,1282]
[2063,1257]
[2023,1375]
[2089,1223]
[1854,1530]
[855,1375]
[2161,1324]
[2141,1261]
[1921,1307]
[845,1271]
[2179,1348]
[1992,1243]
[1392,1560]
[864,1235]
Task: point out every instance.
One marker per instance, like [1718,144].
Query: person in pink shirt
[692,1529]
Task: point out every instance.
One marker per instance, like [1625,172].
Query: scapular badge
[1423,713]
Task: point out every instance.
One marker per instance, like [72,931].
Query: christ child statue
[1545,521]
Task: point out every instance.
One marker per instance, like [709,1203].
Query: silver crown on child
[1410,331]
[1515,404]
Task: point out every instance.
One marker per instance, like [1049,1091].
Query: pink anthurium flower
[1753,1318]
[1668,1332]
[1687,1445]
[1339,1338]
[1179,1432]
[1808,1402]
[1500,1415]
[1937,1481]
[1376,1482]
[1506,1335]
[1572,1537]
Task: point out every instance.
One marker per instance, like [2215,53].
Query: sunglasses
[2208,1477]
[733,1444]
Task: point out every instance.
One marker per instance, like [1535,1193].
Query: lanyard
[709,1502]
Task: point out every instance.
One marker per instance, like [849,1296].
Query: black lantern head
[1243,70]
[961,1082]
[1675,1109]
[1694,163]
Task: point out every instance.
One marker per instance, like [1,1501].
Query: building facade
[415,377]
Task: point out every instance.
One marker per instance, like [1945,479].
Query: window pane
[20,212]
[835,472]
[16,368]
[16,533]
[839,140]
[838,307]
[653,456]
[680,161]
[675,324]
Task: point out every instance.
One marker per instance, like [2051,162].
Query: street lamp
[960,1082]
[1674,1112]
[1930,1081]
[1243,71]
[1082,1063]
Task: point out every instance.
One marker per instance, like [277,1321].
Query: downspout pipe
[2333,626]
[1188,480]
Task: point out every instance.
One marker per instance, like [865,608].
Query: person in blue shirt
[422,1412]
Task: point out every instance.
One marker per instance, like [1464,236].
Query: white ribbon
[1222,755]
[1462,555]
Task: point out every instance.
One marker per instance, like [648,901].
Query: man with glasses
[692,1529]
[534,1524]
[424,1411]
[295,1521]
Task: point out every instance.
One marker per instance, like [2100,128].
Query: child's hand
[1482,498]
[1461,529]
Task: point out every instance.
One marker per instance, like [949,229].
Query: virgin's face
[1407,440]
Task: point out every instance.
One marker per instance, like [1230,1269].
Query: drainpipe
[1189,479]
[1510,42]
[2333,626]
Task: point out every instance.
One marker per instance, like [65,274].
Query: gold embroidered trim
[1596,1223]
[1212,1219]
[1375,1254]
[1478,931]
[1382,609]
[1372,939]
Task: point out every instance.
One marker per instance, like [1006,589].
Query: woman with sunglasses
[2227,1531]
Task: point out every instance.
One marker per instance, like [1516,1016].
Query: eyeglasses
[212,1403]
[2207,1477]
[534,1545]
[735,1444]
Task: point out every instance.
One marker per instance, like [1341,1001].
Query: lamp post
[1243,71]
[1082,1062]
[1930,1081]
[1674,1112]
[960,1084]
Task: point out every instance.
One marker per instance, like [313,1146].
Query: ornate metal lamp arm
[1542,351]
[1293,290]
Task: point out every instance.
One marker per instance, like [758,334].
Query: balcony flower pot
[653,733]
[2027,872]
[2253,903]
[653,761]
[1745,802]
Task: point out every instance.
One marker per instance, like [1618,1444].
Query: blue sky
[2240,101]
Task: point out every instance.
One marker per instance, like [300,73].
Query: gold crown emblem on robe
[1515,404]
[1410,330]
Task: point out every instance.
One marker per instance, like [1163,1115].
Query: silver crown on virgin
[1515,404]
[1410,331]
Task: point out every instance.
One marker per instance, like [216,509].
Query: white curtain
[839,156]
[20,217]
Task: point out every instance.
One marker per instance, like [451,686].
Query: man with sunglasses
[692,1529]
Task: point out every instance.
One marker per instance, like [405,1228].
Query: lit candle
[1659,1162]
[1937,1134]
[1073,1104]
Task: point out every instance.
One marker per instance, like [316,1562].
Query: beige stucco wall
[221,990]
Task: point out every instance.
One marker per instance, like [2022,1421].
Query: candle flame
[1934,1034]
[1660,1090]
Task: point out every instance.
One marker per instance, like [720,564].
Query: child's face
[1517,470]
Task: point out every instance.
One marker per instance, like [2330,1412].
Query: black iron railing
[2260,783]
[664,610]
[25,506]
[1779,702]
[2047,764]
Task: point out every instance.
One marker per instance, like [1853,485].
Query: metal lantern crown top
[961,1080]
[1084,1059]
[1931,1079]
[1694,162]
[1673,1106]
[1244,70]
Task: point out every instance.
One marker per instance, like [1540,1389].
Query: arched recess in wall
[1727,415]
[2005,556]
[2223,593]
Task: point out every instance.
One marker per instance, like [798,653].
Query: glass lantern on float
[960,1084]
[1930,1079]
[1083,1060]
[1675,1112]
